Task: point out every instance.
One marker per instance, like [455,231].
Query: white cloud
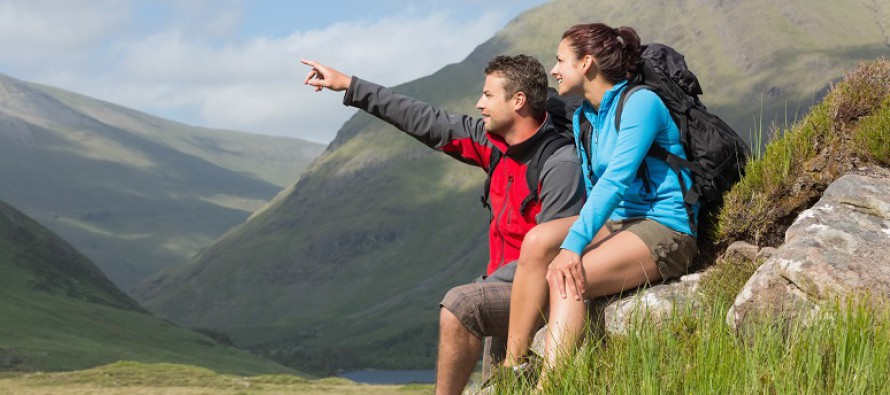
[197,72]
[58,32]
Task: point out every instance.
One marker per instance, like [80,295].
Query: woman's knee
[542,240]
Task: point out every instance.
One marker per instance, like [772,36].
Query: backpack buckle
[691,197]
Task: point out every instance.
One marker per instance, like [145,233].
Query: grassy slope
[345,268]
[848,130]
[134,192]
[59,312]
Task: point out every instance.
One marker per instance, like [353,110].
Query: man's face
[497,109]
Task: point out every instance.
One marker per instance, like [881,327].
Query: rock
[654,303]
[838,248]
[765,253]
[741,251]
[616,314]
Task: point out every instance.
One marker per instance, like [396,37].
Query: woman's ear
[587,64]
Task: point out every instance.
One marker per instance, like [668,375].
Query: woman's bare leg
[618,263]
[530,290]
[529,296]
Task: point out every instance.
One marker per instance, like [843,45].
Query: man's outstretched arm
[459,136]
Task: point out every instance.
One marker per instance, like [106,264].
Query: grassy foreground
[143,379]
[847,351]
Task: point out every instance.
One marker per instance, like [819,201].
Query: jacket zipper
[498,223]
[590,136]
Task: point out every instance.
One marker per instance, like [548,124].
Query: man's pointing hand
[322,76]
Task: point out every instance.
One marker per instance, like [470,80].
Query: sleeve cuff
[347,96]
[575,243]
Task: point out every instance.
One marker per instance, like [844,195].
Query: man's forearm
[457,135]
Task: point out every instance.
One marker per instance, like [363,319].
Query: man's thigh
[483,308]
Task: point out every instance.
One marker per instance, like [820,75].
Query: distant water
[391,376]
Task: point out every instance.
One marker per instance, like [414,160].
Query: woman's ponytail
[617,51]
[631,48]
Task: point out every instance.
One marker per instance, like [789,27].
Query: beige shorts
[672,251]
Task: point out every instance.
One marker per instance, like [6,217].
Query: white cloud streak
[59,32]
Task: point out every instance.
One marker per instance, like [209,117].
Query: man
[510,142]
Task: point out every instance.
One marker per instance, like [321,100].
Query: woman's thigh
[620,261]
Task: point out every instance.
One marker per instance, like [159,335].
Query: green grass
[846,350]
[131,378]
[873,139]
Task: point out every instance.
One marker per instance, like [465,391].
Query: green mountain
[133,192]
[59,312]
[345,268]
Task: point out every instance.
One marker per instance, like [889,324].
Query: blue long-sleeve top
[614,192]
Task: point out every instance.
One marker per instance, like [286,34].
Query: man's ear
[519,100]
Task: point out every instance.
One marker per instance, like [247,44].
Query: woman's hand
[322,76]
[566,271]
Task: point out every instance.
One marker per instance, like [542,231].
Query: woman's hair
[617,51]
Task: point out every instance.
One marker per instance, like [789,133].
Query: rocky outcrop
[617,314]
[654,304]
[838,248]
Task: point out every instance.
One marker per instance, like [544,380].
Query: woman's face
[569,70]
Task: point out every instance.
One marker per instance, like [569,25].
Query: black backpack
[716,155]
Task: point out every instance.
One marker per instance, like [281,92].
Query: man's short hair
[525,74]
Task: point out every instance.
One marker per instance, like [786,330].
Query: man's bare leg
[458,352]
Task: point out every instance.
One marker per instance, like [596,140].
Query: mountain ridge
[134,192]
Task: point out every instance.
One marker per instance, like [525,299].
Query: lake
[390,376]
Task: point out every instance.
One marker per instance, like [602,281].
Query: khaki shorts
[672,251]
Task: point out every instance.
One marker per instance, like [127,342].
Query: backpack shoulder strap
[622,98]
[690,195]
[546,148]
[643,171]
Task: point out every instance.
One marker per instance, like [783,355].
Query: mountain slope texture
[133,192]
[345,268]
[59,312]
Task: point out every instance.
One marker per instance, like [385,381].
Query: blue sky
[234,64]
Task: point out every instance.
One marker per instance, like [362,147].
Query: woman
[631,231]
